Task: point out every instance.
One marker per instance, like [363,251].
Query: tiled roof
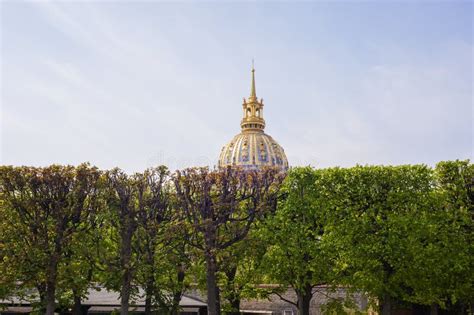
[104,297]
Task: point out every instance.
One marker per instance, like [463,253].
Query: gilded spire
[253,110]
[253,93]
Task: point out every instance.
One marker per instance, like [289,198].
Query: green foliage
[371,207]
[398,232]
[439,242]
[341,306]
[144,248]
[218,210]
[298,254]
[302,253]
[239,270]
[43,210]
[404,231]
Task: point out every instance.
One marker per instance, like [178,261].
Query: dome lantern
[252,110]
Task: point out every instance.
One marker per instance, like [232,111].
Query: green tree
[43,210]
[218,208]
[240,270]
[175,264]
[299,255]
[153,212]
[161,249]
[123,195]
[371,209]
[79,269]
[455,183]
[439,268]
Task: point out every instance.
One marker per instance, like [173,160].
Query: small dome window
[257,112]
[248,111]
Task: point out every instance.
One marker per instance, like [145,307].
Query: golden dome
[252,147]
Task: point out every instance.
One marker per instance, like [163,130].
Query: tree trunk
[126,254]
[41,287]
[150,282]
[234,297]
[149,294]
[179,292]
[235,304]
[386,305]
[213,300]
[51,278]
[434,309]
[304,300]
[77,308]
[50,302]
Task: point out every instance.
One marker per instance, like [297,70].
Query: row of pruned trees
[403,234]
[65,229]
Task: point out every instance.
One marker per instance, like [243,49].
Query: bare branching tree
[218,209]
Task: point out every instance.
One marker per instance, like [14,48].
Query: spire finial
[253,93]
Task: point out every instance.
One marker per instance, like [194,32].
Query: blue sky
[135,84]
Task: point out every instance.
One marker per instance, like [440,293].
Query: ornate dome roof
[253,148]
